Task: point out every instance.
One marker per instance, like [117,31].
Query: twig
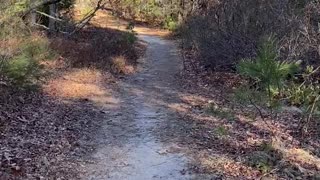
[260,113]
[311,111]
[265,174]
[43,26]
[49,16]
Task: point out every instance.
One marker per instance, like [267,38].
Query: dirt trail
[129,144]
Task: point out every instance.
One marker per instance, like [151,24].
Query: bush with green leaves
[22,49]
[130,37]
[272,83]
[171,23]
[304,93]
[266,71]
[23,67]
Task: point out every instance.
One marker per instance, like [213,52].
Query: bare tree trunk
[33,18]
[181,12]
[53,13]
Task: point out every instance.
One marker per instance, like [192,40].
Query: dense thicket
[227,31]
[164,13]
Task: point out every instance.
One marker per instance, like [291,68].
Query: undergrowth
[21,48]
[155,13]
[224,32]
[273,84]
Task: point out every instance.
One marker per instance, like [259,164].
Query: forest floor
[154,123]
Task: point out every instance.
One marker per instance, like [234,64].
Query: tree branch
[260,113]
[88,17]
[49,16]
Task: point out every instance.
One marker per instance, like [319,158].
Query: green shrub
[130,26]
[267,76]
[130,37]
[302,94]
[277,81]
[266,71]
[306,95]
[171,24]
[23,67]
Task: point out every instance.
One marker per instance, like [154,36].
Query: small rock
[162,152]
[292,109]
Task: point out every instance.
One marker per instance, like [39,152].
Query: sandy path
[129,143]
